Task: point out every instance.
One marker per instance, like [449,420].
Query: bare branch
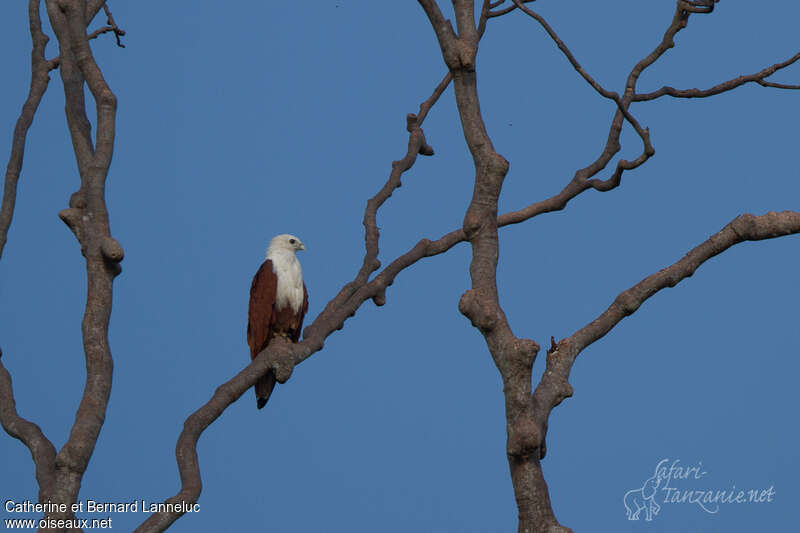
[679,21]
[553,387]
[566,51]
[416,145]
[39,82]
[92,8]
[777,85]
[697,6]
[425,106]
[583,178]
[746,227]
[87,217]
[42,451]
[643,133]
[110,21]
[440,25]
[94,35]
[281,354]
[514,357]
[502,12]
[283,357]
[505,10]
[59,475]
[757,77]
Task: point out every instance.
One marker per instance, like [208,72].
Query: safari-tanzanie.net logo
[675,484]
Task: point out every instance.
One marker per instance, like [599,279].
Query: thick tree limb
[58,475]
[513,357]
[61,474]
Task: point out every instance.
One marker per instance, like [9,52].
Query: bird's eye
[292,241]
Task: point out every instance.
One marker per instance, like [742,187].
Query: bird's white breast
[290,279]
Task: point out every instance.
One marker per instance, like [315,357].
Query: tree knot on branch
[412,122]
[72,218]
[479,310]
[479,215]
[525,438]
[78,199]
[424,147]
[526,351]
[744,226]
[282,361]
[112,249]
[460,55]
[412,126]
[627,302]
[496,165]
[380,297]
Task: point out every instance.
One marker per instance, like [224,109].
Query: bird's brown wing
[259,316]
[259,319]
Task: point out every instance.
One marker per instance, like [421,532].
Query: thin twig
[110,21]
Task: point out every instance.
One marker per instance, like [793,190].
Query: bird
[278,304]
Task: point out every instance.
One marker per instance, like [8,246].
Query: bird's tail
[264,388]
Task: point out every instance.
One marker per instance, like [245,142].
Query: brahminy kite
[278,304]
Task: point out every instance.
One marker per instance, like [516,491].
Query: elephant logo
[643,499]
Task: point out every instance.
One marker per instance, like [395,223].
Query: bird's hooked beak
[302,247]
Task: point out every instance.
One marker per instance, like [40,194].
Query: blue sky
[236,125]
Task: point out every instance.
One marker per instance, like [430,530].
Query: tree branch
[622,106]
[91,11]
[42,451]
[58,475]
[425,106]
[505,10]
[554,386]
[282,358]
[39,82]
[87,217]
[757,77]
[416,145]
[113,25]
[281,354]
[514,357]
